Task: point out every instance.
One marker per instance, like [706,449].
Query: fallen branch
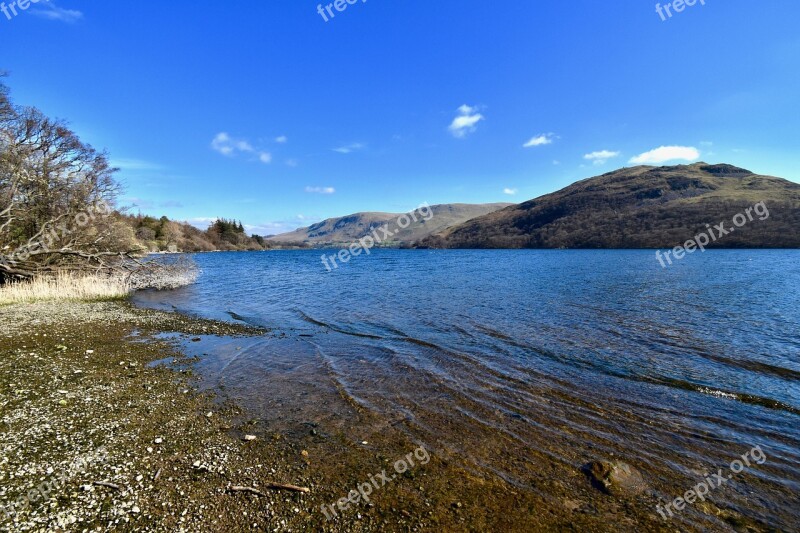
[107,485]
[281,486]
[250,490]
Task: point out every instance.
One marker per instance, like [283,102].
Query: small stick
[158,475]
[106,484]
[251,490]
[281,486]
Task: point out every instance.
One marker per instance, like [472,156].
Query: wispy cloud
[350,148]
[134,164]
[601,157]
[540,140]
[291,163]
[142,203]
[465,122]
[49,10]
[230,146]
[202,223]
[279,226]
[667,153]
[320,190]
[510,192]
[283,139]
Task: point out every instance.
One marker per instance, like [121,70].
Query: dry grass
[65,287]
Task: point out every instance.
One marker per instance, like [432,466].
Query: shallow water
[492,355]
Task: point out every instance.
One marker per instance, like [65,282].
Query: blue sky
[263,111]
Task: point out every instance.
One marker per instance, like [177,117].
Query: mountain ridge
[349,228]
[640,207]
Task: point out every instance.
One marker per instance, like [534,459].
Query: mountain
[642,207]
[347,229]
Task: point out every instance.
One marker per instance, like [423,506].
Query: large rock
[616,477]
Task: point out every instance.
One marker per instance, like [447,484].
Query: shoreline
[78,383]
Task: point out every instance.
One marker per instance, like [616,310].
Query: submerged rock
[615,478]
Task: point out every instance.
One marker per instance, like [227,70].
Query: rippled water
[493,354]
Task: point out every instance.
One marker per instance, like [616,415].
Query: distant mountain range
[350,228]
[642,207]
[637,207]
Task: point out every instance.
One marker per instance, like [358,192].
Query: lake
[505,360]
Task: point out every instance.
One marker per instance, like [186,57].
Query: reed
[66,286]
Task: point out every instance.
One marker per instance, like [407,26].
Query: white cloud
[667,153]
[134,164]
[269,228]
[600,157]
[201,223]
[466,121]
[226,145]
[540,140]
[320,190]
[291,163]
[49,10]
[510,192]
[230,146]
[350,148]
[283,139]
[276,227]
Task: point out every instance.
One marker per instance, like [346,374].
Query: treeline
[165,235]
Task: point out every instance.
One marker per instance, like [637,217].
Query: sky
[277,115]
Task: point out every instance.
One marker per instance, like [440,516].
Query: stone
[616,478]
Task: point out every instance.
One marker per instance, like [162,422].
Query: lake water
[497,357]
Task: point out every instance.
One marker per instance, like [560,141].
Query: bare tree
[57,199]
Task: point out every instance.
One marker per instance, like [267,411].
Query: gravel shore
[94,438]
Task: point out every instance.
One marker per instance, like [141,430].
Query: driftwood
[250,490]
[273,486]
[293,488]
[107,485]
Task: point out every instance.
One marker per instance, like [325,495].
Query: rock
[158,440]
[249,437]
[616,478]
[572,505]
